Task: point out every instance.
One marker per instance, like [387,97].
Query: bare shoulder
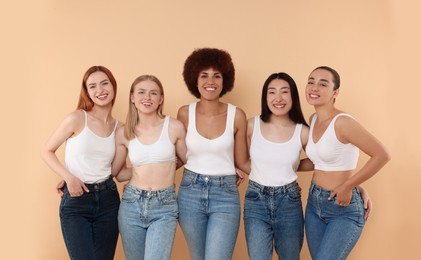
[183,114]
[311,117]
[345,121]
[305,130]
[176,124]
[120,125]
[75,121]
[120,137]
[240,114]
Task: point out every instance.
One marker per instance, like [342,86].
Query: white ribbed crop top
[89,156]
[274,164]
[161,151]
[210,156]
[329,154]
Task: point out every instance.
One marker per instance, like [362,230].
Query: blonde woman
[148,213]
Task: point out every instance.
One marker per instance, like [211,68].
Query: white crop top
[89,156]
[329,154]
[210,156]
[274,164]
[163,150]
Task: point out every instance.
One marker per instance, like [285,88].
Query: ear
[131,98]
[161,100]
[335,93]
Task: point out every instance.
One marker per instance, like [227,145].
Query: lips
[210,88]
[279,105]
[102,96]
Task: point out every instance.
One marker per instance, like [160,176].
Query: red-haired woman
[90,201]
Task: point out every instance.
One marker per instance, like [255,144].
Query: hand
[343,195]
[60,187]
[76,187]
[368,205]
[240,176]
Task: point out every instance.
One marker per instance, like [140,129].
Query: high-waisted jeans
[209,215]
[89,222]
[147,222]
[273,217]
[332,230]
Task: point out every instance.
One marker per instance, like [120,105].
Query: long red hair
[85,101]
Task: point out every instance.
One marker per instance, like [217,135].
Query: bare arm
[241,154]
[119,169]
[350,131]
[71,125]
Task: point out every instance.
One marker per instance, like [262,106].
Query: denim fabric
[332,230]
[209,215]
[89,222]
[273,217]
[147,222]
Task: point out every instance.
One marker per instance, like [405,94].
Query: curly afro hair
[205,58]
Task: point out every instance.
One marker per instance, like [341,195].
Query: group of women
[216,144]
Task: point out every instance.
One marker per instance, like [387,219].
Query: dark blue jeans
[89,222]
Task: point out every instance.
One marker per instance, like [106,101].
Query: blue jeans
[209,215]
[273,217]
[332,230]
[89,222]
[147,222]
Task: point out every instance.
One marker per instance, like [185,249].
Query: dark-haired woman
[334,216]
[90,200]
[273,214]
[208,199]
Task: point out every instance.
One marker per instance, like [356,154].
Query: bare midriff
[329,180]
[156,176]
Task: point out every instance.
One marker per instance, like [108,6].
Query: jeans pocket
[169,198]
[128,196]
[252,195]
[231,188]
[186,182]
[294,195]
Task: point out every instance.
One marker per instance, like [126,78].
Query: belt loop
[221,181]
[195,178]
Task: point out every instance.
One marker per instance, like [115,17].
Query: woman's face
[147,97]
[210,84]
[278,97]
[99,88]
[319,89]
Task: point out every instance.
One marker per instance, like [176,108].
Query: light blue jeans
[209,215]
[147,221]
[332,230]
[273,217]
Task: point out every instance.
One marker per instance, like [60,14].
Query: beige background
[47,45]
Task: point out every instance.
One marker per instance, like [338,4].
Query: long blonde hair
[132,118]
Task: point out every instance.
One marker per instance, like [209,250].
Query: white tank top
[163,150]
[210,156]
[329,154]
[274,164]
[89,156]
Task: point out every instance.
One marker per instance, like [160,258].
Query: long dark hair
[295,114]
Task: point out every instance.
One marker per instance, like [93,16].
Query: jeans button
[206,179]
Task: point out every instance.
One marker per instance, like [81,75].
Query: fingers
[84,187]
[332,195]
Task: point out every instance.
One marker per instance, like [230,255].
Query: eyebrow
[102,81]
[325,80]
